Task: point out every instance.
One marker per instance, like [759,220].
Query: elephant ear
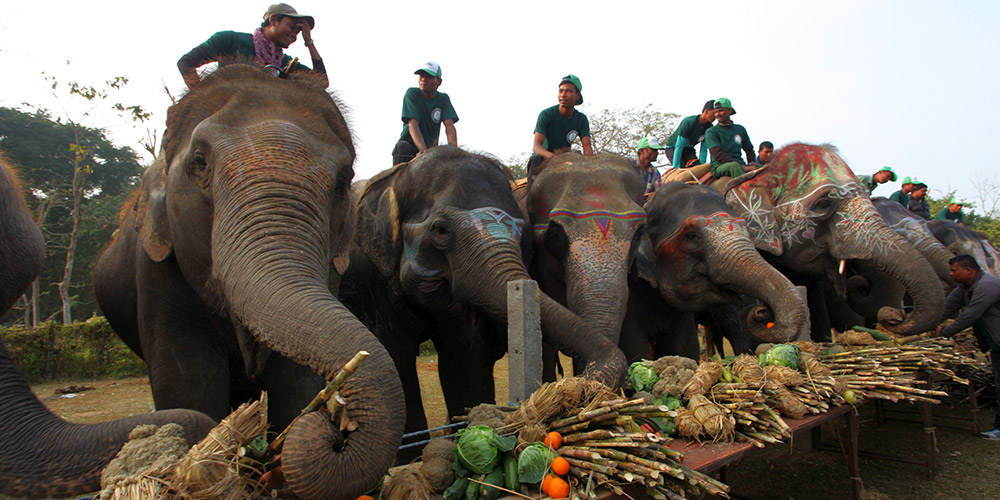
[342,228]
[755,206]
[645,262]
[377,223]
[151,212]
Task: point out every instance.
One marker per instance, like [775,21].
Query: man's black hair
[267,21]
[765,144]
[966,261]
[708,105]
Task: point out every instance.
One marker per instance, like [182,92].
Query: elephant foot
[890,316]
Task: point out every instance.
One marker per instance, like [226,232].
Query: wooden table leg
[853,467]
[974,406]
[927,414]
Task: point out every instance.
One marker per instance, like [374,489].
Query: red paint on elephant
[595,197]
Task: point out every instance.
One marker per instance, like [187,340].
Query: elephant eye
[199,161]
[440,229]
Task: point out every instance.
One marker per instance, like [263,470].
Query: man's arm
[748,147]
[678,151]
[418,138]
[703,153]
[450,132]
[189,63]
[985,295]
[588,149]
[538,147]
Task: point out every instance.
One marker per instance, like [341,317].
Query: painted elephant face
[807,208]
[587,219]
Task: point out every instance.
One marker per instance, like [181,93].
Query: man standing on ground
[649,148]
[764,153]
[424,110]
[918,200]
[558,126]
[978,298]
[727,141]
[870,182]
[952,213]
[266,45]
[903,195]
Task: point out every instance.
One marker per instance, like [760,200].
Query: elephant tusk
[842,264]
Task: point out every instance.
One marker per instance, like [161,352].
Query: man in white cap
[648,149]
[953,212]
[424,110]
[279,29]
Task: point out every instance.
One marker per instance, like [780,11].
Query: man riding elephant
[266,45]
[727,141]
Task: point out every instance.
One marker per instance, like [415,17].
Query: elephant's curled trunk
[274,268]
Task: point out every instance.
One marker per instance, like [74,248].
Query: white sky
[911,84]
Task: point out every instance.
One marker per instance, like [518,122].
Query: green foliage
[619,130]
[533,462]
[642,376]
[479,447]
[85,349]
[784,355]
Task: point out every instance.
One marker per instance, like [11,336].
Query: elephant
[43,455]
[808,215]
[868,289]
[222,268]
[587,220]
[699,256]
[962,240]
[437,240]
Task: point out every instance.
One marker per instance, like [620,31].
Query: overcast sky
[911,84]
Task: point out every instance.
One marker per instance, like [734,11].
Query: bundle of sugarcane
[606,447]
[889,371]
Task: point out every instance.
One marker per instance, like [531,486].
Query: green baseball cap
[888,169]
[907,180]
[431,68]
[575,80]
[283,9]
[724,102]
[956,201]
[649,142]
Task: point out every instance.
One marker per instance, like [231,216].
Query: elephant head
[587,219]
[914,228]
[43,455]
[962,240]
[447,230]
[807,210]
[703,256]
[242,224]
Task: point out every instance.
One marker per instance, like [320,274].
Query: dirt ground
[967,467]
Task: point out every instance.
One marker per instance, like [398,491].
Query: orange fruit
[545,482]
[553,440]
[558,488]
[560,466]
[770,324]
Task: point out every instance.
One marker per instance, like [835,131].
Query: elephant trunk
[602,359]
[861,234]
[597,288]
[938,256]
[735,264]
[47,457]
[272,263]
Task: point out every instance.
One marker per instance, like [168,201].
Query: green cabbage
[784,355]
[479,448]
[533,462]
[642,376]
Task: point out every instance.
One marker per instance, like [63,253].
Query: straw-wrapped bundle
[812,366]
[138,470]
[788,404]
[783,375]
[687,425]
[718,424]
[704,378]
[407,483]
[808,346]
[855,338]
[748,369]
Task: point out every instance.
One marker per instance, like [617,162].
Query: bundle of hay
[783,375]
[703,379]
[687,425]
[788,404]
[150,455]
[714,419]
[813,367]
[855,338]
[748,369]
[407,483]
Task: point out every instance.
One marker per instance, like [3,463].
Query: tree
[618,130]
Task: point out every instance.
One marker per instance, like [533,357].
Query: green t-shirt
[867,182]
[560,132]
[901,197]
[430,113]
[691,130]
[733,140]
[227,44]
[946,214]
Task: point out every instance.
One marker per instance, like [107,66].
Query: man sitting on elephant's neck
[903,195]
[648,149]
[266,45]
[918,200]
[870,182]
[558,126]
[727,141]
[424,110]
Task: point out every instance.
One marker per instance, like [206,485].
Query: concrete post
[524,340]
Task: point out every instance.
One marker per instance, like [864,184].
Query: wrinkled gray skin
[587,219]
[437,241]
[806,211]
[869,289]
[698,256]
[44,456]
[222,268]
[962,240]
